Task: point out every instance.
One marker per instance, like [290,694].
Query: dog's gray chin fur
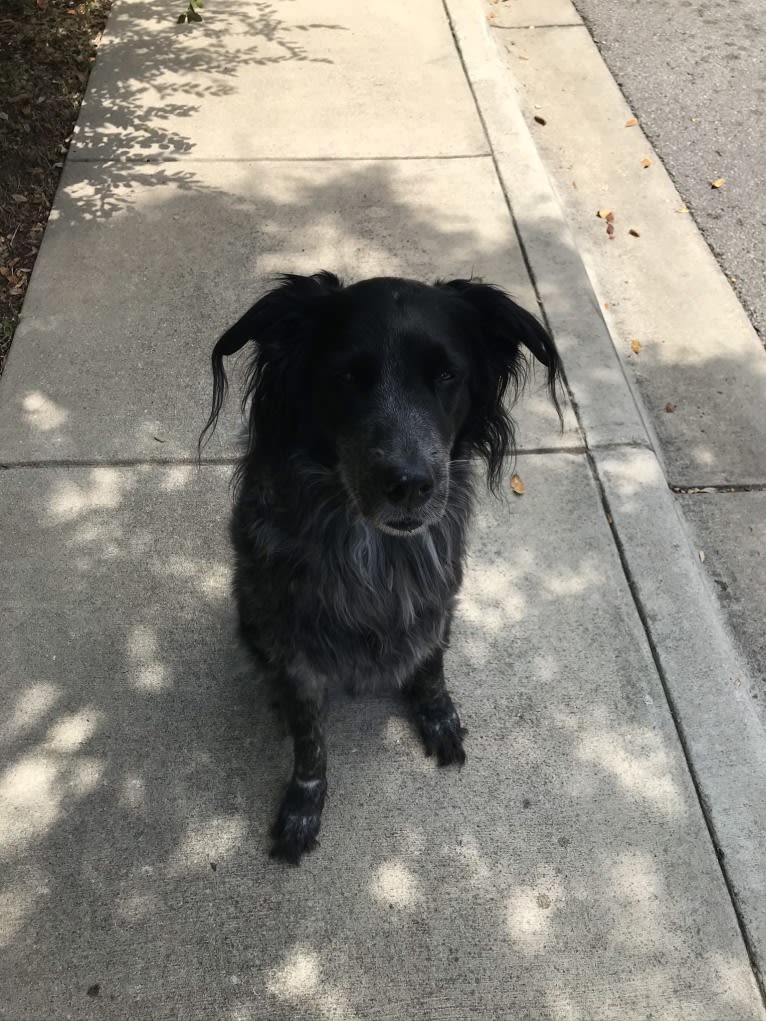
[402,533]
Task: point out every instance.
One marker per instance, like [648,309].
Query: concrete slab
[261,80]
[699,352]
[143,267]
[564,872]
[606,408]
[730,529]
[715,698]
[530,13]
[693,77]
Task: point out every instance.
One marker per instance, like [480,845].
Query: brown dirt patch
[47,48]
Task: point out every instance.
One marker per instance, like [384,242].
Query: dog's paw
[300,815]
[442,734]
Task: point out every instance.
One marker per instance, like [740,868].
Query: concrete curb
[705,679]
[658,284]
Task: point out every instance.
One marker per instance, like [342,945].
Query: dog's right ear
[276,324]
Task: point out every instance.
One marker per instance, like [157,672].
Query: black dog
[366,405]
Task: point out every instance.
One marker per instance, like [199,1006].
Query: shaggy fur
[366,406]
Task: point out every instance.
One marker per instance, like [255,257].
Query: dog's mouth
[402,526]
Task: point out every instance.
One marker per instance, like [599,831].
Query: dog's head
[386,382]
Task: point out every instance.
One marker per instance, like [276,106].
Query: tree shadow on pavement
[142,766]
[141,762]
[169,72]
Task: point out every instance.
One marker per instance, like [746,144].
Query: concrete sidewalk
[602,852]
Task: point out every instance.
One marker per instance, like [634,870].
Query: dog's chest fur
[322,592]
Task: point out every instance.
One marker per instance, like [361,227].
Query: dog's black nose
[409,488]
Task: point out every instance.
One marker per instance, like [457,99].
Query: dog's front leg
[434,712]
[300,813]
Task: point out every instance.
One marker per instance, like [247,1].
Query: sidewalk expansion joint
[749,487]
[127,462]
[138,161]
[575,448]
[535,28]
[616,444]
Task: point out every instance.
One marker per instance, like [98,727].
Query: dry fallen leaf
[523,58]
[634,233]
[610,229]
[605,213]
[682,209]
[670,408]
[19,198]
[635,346]
[539,119]
[702,556]
[646,163]
[517,485]
[574,184]
[718,183]
[631,122]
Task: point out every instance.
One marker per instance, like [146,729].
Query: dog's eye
[446,376]
[347,377]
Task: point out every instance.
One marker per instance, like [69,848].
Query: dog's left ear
[506,325]
[505,329]
[277,325]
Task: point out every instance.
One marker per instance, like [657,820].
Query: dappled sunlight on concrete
[470,853]
[492,599]
[206,841]
[300,982]
[640,895]
[104,491]
[41,413]
[530,914]
[632,472]
[638,761]
[149,673]
[211,579]
[35,787]
[396,731]
[396,886]
[31,706]
[176,477]
[69,732]
[576,580]
[142,766]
